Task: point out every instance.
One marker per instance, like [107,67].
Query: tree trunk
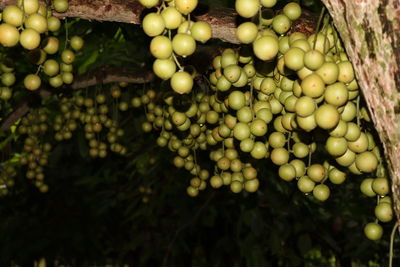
[370,31]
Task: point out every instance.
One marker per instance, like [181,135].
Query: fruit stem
[177,62]
[195,160]
[259,18]
[288,141]
[66,33]
[309,155]
[358,111]
[391,244]
[321,15]
[251,98]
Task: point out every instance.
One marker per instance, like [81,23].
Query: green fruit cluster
[93,115]
[35,153]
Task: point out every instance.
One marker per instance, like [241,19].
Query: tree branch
[106,74]
[20,111]
[222,20]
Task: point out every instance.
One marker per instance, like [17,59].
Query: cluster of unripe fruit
[281,96]
[146,193]
[174,35]
[184,129]
[7,174]
[93,115]
[35,152]
[30,23]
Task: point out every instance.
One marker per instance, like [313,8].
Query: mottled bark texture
[370,30]
[222,20]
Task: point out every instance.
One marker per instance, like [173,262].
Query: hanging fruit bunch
[283,96]
[33,26]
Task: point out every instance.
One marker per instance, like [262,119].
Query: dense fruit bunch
[283,96]
[174,17]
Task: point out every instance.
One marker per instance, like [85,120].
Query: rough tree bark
[222,20]
[370,30]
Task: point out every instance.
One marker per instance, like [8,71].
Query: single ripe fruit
[336,94]
[53,23]
[366,187]
[172,18]
[164,68]
[161,47]
[268,3]
[183,44]
[32,82]
[182,82]
[305,184]
[8,78]
[292,11]
[153,24]
[294,58]
[321,192]
[9,35]
[266,48]
[305,106]
[13,15]
[185,6]
[336,176]
[328,71]
[380,186]
[247,8]
[336,146]
[366,161]
[384,212]
[281,24]
[149,3]
[51,67]
[327,116]
[236,100]
[68,56]
[313,59]
[51,45]
[201,31]
[60,5]
[313,86]
[36,22]
[29,39]
[76,43]
[287,172]
[247,32]
[316,172]
[373,231]
[252,185]
[30,6]
[346,72]
[279,156]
